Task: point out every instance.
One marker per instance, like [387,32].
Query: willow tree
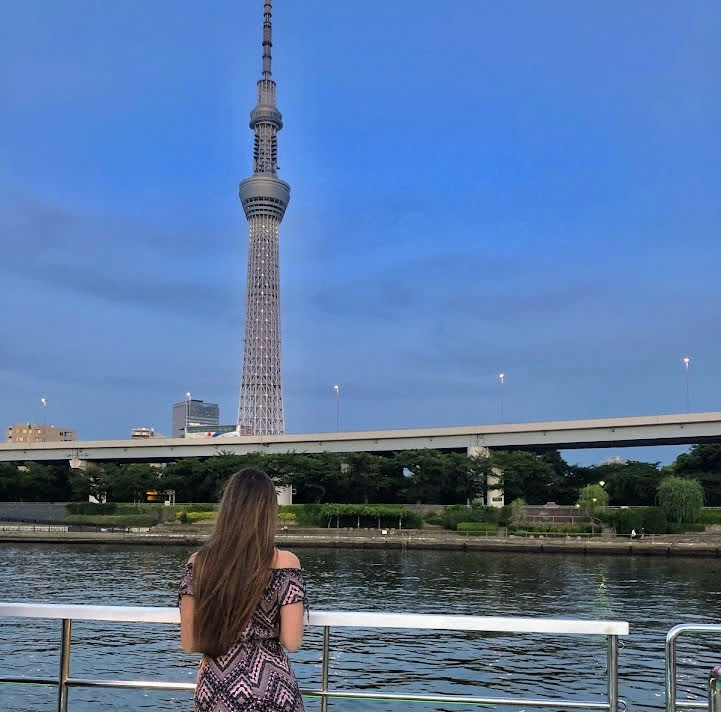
[593,499]
[681,499]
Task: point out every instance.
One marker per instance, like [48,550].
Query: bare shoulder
[191,559]
[286,560]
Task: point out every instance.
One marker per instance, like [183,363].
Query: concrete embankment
[709,547]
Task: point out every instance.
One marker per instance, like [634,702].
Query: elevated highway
[680,429]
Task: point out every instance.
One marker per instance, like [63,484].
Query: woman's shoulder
[285,560]
[191,558]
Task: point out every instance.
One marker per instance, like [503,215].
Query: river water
[653,594]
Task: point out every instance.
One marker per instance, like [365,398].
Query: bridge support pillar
[285,495]
[77,464]
[494,491]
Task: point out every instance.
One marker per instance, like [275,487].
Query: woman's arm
[291,626]
[187,612]
[291,614]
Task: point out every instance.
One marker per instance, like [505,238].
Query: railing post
[714,690]
[64,673]
[612,668]
[324,668]
[671,672]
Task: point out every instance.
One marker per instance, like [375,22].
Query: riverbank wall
[709,547]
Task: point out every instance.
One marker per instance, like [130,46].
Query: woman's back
[254,673]
[286,586]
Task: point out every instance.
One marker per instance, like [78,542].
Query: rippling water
[653,594]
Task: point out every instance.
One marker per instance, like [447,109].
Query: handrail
[327,619]
[335,619]
[672,703]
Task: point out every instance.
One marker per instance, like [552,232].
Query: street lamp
[601,482]
[686,363]
[502,378]
[44,402]
[336,388]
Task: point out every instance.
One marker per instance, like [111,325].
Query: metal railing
[714,690]
[327,620]
[672,701]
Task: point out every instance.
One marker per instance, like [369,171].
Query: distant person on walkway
[633,533]
[241,603]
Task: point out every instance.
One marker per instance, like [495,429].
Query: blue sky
[477,186]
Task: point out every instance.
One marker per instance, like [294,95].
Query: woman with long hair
[241,603]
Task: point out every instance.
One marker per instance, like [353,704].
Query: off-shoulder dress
[255,674]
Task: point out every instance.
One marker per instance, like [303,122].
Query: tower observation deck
[264,198]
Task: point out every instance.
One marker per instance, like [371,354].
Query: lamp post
[336,388]
[502,378]
[686,364]
[44,402]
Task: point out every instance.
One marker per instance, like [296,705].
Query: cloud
[117,261]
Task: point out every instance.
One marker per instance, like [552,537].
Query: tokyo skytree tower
[264,197]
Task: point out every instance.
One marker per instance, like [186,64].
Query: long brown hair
[232,569]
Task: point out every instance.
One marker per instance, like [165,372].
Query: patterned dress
[254,675]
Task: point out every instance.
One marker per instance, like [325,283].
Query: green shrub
[306,515]
[286,516]
[91,508]
[626,520]
[198,507]
[457,513]
[685,527]
[369,515]
[552,529]
[710,516]
[654,521]
[433,518]
[198,516]
[476,527]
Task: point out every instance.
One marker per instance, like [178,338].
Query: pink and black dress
[255,674]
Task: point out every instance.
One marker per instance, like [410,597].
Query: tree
[478,468]
[526,476]
[9,478]
[680,499]
[98,480]
[35,483]
[518,511]
[629,483]
[703,463]
[130,483]
[593,499]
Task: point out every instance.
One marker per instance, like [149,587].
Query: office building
[193,412]
[31,433]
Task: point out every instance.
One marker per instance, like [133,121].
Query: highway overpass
[683,429]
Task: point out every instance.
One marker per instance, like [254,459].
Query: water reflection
[653,594]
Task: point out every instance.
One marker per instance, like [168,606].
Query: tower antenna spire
[267,37]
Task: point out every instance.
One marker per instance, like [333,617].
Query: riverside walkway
[697,545]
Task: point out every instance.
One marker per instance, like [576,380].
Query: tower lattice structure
[264,197]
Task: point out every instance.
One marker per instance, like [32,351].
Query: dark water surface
[653,594]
